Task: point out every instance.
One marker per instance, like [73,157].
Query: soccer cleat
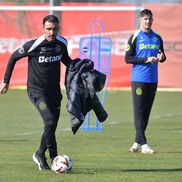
[134,148]
[146,149]
[40,160]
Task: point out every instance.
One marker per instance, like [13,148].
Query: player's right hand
[4,88]
[152,59]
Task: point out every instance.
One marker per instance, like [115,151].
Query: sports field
[97,156]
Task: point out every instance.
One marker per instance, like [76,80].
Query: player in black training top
[43,86]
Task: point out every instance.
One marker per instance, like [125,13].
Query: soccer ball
[61,164]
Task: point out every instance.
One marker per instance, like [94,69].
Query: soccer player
[144,51]
[43,85]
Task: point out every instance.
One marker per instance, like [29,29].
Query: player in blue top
[144,50]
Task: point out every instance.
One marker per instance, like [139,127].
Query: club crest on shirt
[154,39]
[58,49]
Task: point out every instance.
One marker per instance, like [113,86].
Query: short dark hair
[146,12]
[50,18]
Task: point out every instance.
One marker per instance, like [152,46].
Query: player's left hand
[4,88]
[161,56]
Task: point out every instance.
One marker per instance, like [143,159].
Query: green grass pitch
[97,156]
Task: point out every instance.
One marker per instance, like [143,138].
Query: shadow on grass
[154,170]
[95,171]
[12,141]
[172,152]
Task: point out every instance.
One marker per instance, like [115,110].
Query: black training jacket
[82,82]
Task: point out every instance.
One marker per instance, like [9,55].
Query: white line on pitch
[24,134]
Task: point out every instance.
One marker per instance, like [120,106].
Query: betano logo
[148,46]
[44,59]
